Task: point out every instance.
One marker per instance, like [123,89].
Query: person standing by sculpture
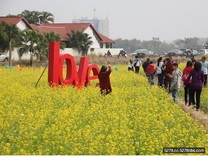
[104,80]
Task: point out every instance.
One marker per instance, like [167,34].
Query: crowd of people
[193,76]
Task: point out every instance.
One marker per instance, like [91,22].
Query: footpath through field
[199,116]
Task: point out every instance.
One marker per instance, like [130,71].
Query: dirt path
[199,116]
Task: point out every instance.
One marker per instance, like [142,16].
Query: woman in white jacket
[159,72]
[204,64]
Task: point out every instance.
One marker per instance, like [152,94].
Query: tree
[36,17]
[9,38]
[47,37]
[188,43]
[3,36]
[134,44]
[206,45]
[79,40]
[46,17]
[29,43]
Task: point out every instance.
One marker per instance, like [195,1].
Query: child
[104,80]
[185,74]
[175,82]
[151,72]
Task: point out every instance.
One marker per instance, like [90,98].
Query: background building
[101,25]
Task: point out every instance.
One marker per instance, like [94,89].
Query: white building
[101,44]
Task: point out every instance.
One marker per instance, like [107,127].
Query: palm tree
[29,43]
[36,17]
[30,16]
[46,17]
[3,36]
[9,35]
[44,41]
[79,40]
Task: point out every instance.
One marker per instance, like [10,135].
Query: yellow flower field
[135,119]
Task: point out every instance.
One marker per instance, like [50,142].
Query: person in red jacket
[168,72]
[151,72]
[104,80]
[185,74]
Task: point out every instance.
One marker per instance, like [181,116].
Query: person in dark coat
[168,71]
[145,65]
[104,80]
[197,80]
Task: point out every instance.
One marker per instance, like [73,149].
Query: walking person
[159,72]
[186,72]
[130,65]
[145,65]
[168,73]
[175,82]
[204,64]
[196,85]
[137,63]
[193,60]
[104,80]
[151,72]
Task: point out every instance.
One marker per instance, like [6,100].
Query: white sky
[128,19]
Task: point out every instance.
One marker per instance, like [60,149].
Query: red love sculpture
[73,77]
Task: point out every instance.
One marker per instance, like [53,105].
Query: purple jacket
[197,79]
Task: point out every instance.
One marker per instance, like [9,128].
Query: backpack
[185,76]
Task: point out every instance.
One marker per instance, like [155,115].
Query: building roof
[14,20]
[106,39]
[64,28]
[60,28]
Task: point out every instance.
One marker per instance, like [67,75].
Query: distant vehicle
[175,52]
[143,53]
[203,52]
[190,52]
[3,58]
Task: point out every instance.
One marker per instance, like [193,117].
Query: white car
[3,58]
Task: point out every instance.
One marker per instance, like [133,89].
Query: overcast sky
[128,19]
